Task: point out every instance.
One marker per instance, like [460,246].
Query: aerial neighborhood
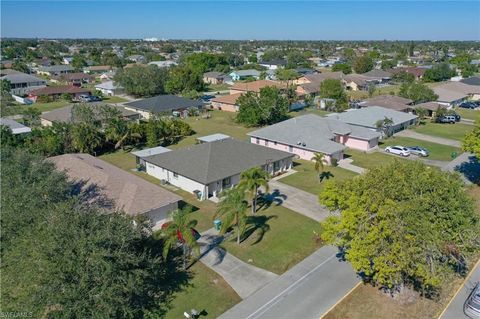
[174,178]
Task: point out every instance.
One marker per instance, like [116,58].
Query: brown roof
[417,72]
[358,79]
[318,78]
[64,114]
[99,67]
[129,192]
[50,90]
[392,102]
[227,99]
[255,86]
[73,76]
[432,106]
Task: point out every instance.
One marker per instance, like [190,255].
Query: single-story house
[255,86]
[137,58]
[53,70]
[274,64]
[16,127]
[431,107]
[357,82]
[454,93]
[393,102]
[56,91]
[65,115]
[474,80]
[213,77]
[163,64]
[21,83]
[9,71]
[139,155]
[208,168]
[67,60]
[416,71]
[308,134]
[118,189]
[309,84]
[378,75]
[244,74]
[76,79]
[97,69]
[163,103]
[109,88]
[370,116]
[212,138]
[226,102]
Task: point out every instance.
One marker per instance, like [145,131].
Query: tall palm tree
[179,231]
[251,180]
[232,211]
[319,159]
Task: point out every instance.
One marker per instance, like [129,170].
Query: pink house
[309,134]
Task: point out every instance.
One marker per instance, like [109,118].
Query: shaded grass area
[370,160]
[44,107]
[309,180]
[114,99]
[276,239]
[437,151]
[469,114]
[309,110]
[455,131]
[208,293]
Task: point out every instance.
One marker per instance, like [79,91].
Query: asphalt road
[455,308]
[308,290]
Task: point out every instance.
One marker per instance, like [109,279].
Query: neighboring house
[306,135]
[209,168]
[76,79]
[213,77]
[139,155]
[378,75]
[67,60]
[416,71]
[309,84]
[65,114]
[54,70]
[98,69]
[305,71]
[118,189]
[226,102]
[163,103]
[431,107]
[474,80]
[212,138]
[453,93]
[274,64]
[55,92]
[137,58]
[255,86]
[369,117]
[4,72]
[109,88]
[7,64]
[21,83]
[244,74]
[357,82]
[392,102]
[14,126]
[163,64]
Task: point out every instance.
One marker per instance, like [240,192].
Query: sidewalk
[245,279]
[346,163]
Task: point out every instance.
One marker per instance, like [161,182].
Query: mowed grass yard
[306,178]
[469,114]
[286,239]
[437,151]
[455,131]
[207,293]
[370,160]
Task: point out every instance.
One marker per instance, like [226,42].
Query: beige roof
[432,106]
[227,99]
[389,101]
[357,79]
[129,192]
[318,78]
[255,86]
[459,87]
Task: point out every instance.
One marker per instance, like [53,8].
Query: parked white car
[398,150]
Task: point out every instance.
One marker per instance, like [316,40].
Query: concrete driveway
[298,200]
[428,138]
[455,309]
[244,278]
[307,291]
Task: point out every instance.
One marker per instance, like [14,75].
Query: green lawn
[370,160]
[208,292]
[308,179]
[452,131]
[217,87]
[469,114]
[437,151]
[309,110]
[43,107]
[288,239]
[114,99]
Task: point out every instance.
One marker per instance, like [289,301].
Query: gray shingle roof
[474,80]
[377,73]
[15,78]
[209,162]
[316,132]
[64,114]
[16,127]
[369,116]
[56,68]
[163,103]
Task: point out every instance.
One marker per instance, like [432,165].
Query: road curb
[340,300]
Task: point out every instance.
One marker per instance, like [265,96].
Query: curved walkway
[429,138]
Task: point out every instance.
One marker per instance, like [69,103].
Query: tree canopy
[439,72]
[333,89]
[402,224]
[363,64]
[471,142]
[142,81]
[343,67]
[418,92]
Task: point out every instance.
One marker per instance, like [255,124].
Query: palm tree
[318,159]
[232,209]
[251,180]
[179,231]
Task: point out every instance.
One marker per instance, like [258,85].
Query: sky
[242,20]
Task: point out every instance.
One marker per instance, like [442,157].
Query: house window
[274,143]
[276,166]
[175,175]
[290,149]
[258,140]
[266,143]
[226,182]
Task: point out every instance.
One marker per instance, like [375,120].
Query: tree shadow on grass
[257,224]
[266,200]
[325,175]
[470,170]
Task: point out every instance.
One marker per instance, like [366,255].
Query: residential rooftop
[164,103]
[369,116]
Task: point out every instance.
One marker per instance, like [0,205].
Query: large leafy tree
[333,89]
[142,81]
[471,142]
[232,211]
[363,64]
[439,72]
[418,92]
[343,67]
[184,79]
[251,180]
[402,224]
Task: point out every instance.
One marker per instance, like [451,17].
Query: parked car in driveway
[398,150]
[85,98]
[471,307]
[447,119]
[94,98]
[417,150]
[468,105]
